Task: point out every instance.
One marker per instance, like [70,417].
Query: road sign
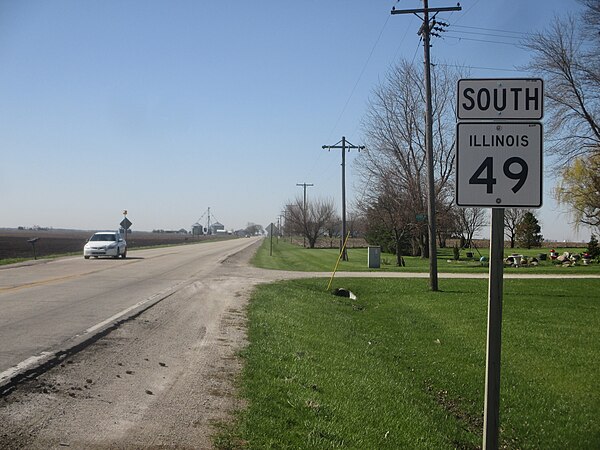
[499,165]
[500,99]
[126,223]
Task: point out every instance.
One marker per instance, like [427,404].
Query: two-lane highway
[47,306]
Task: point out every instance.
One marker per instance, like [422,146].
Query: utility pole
[425,32]
[278,227]
[345,145]
[284,223]
[208,222]
[304,185]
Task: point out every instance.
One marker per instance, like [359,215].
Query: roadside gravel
[161,380]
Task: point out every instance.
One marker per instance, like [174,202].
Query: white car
[105,243]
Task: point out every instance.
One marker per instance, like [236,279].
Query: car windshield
[103,237]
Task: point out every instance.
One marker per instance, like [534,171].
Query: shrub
[593,249]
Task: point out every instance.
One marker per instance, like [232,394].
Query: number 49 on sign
[499,164]
[487,167]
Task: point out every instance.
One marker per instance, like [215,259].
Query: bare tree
[333,228]
[512,218]
[310,222]
[567,56]
[470,221]
[388,216]
[447,223]
[395,160]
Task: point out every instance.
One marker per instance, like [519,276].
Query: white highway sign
[499,165]
[500,99]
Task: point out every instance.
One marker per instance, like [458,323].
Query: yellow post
[338,261]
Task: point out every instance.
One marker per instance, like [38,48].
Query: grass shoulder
[401,367]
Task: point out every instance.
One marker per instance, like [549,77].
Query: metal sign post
[271,246]
[491,414]
[498,164]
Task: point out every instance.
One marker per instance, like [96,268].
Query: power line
[416,50]
[482,40]
[360,76]
[465,13]
[493,29]
[477,67]
[345,107]
[487,34]
[401,42]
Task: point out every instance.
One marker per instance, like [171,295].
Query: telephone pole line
[345,145]
[425,32]
[304,185]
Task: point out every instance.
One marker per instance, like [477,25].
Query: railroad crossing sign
[499,165]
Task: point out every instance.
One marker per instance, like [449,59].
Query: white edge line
[31,361]
[117,316]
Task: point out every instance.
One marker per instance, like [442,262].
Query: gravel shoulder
[161,380]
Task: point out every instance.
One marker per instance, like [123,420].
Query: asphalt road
[48,306]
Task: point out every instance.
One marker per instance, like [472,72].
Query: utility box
[374,257]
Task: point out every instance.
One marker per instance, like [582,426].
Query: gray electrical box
[374,257]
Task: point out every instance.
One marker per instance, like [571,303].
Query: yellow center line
[48,281]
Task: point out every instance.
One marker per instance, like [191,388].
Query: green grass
[402,367]
[7,261]
[292,257]
[12,261]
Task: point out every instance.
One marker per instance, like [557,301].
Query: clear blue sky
[166,108]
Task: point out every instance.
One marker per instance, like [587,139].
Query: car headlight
[113,245]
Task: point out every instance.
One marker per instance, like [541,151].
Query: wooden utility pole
[345,145]
[279,227]
[208,222]
[425,32]
[304,185]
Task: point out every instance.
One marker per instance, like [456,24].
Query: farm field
[14,245]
